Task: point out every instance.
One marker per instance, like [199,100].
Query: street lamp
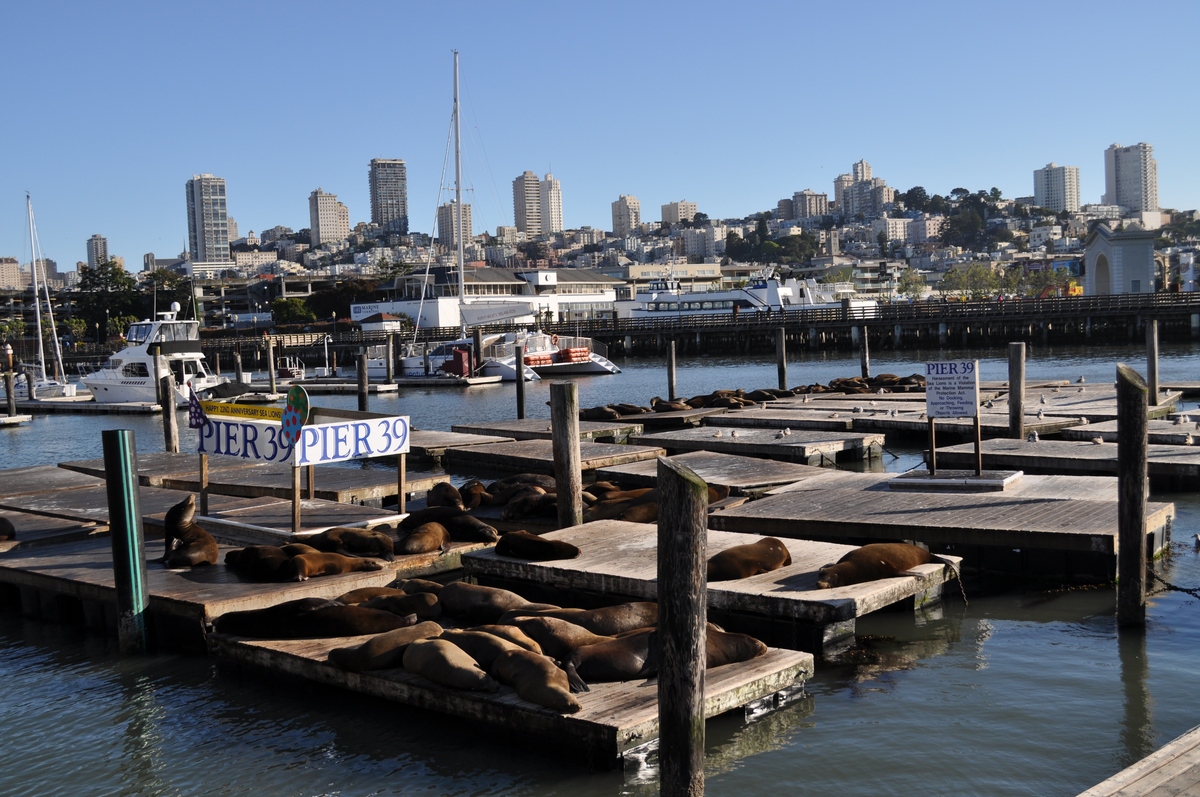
[97,333]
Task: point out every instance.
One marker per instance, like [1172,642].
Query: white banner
[256,441]
[952,389]
[259,441]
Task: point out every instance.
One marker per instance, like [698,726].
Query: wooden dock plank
[673,420]
[42,479]
[1072,457]
[34,530]
[351,485]
[805,446]
[154,466]
[783,418]
[538,456]
[743,475]
[991,424]
[90,504]
[1159,432]
[540,429]
[1094,402]
[432,444]
[1173,769]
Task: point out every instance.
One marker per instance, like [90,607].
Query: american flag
[196,417]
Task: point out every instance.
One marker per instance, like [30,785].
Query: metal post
[865,355]
[781,356]
[1152,360]
[932,449]
[272,371]
[125,524]
[1131,497]
[217,362]
[362,380]
[390,356]
[1016,390]
[671,371]
[682,632]
[519,364]
[427,362]
[564,423]
[477,347]
[166,391]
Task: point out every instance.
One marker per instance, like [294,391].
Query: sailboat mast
[458,208]
[37,299]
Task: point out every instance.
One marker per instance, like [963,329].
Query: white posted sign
[952,389]
[262,441]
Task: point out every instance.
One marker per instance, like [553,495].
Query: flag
[196,417]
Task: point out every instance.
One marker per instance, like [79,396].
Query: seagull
[880,391]
[893,413]
[805,399]
[1032,438]
[1187,440]
[1080,381]
[733,434]
[1198,424]
[1056,390]
[1080,390]
[1084,421]
[833,415]
[1043,399]
[1041,414]
[717,433]
[1097,441]
[1179,420]
[990,404]
[779,435]
[764,405]
[786,431]
[857,410]
[875,403]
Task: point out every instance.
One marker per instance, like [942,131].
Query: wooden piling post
[295,499]
[362,379]
[477,347]
[1016,390]
[401,486]
[239,374]
[564,422]
[10,391]
[271,369]
[865,355]
[125,524]
[390,357]
[203,474]
[166,392]
[781,356]
[519,364]
[217,362]
[682,614]
[1152,360]
[671,371]
[1132,398]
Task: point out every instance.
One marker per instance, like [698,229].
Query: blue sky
[111,107]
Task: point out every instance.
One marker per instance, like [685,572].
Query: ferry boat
[762,293]
[128,374]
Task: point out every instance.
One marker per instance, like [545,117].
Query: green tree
[338,298]
[911,285]
[916,198]
[953,281]
[981,281]
[107,291]
[291,311]
[12,328]
[161,287]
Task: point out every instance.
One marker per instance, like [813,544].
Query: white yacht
[545,356]
[128,375]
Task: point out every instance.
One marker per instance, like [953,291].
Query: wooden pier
[1164,432]
[14,420]
[540,429]
[1173,770]
[742,475]
[537,456]
[618,561]
[35,530]
[677,419]
[86,405]
[431,445]
[804,446]
[1094,402]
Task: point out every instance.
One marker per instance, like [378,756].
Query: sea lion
[759,396]
[473,494]
[605,621]
[511,633]
[259,563]
[599,414]
[309,618]
[468,528]
[523,545]
[600,489]
[308,565]
[7,530]
[444,494]
[530,505]
[475,603]
[447,664]
[385,651]
[426,538]
[558,638]
[186,544]
[413,585]
[658,405]
[743,561]
[540,479]
[630,409]
[364,594]
[354,542]
[871,562]
[433,514]
[424,605]
[537,679]
[297,548]
[480,645]
[725,647]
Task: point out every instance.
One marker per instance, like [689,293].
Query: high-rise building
[840,184]
[208,219]
[527,204]
[448,227]
[859,192]
[97,249]
[1056,188]
[675,212]
[626,215]
[231,225]
[861,171]
[328,219]
[551,197]
[809,203]
[389,195]
[1131,178]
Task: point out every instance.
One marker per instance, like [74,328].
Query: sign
[295,414]
[318,444]
[247,411]
[254,441]
[952,389]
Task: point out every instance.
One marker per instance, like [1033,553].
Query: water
[1022,693]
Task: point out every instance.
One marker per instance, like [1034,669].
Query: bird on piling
[1032,438]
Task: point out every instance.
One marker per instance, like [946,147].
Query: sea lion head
[182,513]
[828,577]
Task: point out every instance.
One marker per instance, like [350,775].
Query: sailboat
[42,386]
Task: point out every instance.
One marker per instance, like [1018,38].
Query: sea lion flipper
[577,683]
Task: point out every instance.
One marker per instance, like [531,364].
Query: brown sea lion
[658,405]
[871,562]
[537,679]
[350,541]
[558,638]
[297,548]
[599,414]
[724,647]
[261,563]
[530,547]
[186,544]
[743,561]
[480,645]
[309,618]
[511,633]
[599,489]
[308,565]
[445,663]
[426,538]
[530,505]
[474,494]
[424,605]
[384,651]
[605,621]
[444,494]
[475,603]
[759,396]
[540,479]
[414,585]
[467,528]
[433,514]
[7,530]
[364,594]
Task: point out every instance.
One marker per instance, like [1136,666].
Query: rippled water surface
[1021,693]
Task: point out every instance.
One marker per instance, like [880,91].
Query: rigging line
[429,251]
[59,371]
[487,166]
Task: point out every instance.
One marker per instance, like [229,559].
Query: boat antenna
[458,208]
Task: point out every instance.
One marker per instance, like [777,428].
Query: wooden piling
[362,380]
[564,421]
[203,475]
[477,349]
[166,400]
[671,371]
[10,391]
[865,355]
[217,363]
[1132,398]
[390,357]
[271,369]
[295,499]
[239,374]
[781,356]
[1152,360]
[682,607]
[401,487]
[1016,390]
[125,524]
[519,364]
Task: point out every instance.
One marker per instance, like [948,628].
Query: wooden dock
[1164,432]
[743,475]
[268,521]
[39,479]
[86,405]
[1094,402]
[540,429]
[804,446]
[14,420]
[673,420]
[1172,770]
[537,456]
[431,445]
[615,718]
[783,418]
[1175,466]
[318,387]
[618,561]
[35,530]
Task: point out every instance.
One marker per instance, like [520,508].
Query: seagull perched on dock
[805,399]
[1080,390]
[1097,441]
[857,410]
[1032,437]
[786,431]
[733,434]
[1080,381]
[989,404]
[833,414]
[1084,421]
[893,413]
[1042,400]
[875,403]
[1041,414]
[1056,390]
[779,435]
[1187,440]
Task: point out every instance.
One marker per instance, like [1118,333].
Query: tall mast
[458,208]
[37,300]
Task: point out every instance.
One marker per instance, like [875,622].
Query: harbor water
[1020,692]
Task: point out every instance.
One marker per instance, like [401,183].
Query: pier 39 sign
[952,389]
[317,444]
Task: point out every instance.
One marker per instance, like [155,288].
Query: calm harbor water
[1019,693]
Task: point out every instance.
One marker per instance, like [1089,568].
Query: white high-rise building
[97,249]
[208,219]
[808,203]
[861,171]
[626,216]
[447,225]
[527,204]
[328,219]
[389,195]
[1131,178]
[675,212]
[550,192]
[1056,188]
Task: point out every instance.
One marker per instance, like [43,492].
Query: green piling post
[125,522]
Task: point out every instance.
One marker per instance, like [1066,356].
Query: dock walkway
[1168,465]
[804,446]
[540,429]
[537,456]
[742,475]
[1172,770]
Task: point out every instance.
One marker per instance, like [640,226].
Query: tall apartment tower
[447,225]
[550,192]
[389,195]
[1131,177]
[861,171]
[840,184]
[1056,188]
[328,219]
[626,215]
[809,203]
[675,212]
[97,249]
[527,204]
[208,219]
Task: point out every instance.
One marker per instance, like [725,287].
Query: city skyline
[749,146]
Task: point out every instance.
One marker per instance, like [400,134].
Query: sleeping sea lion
[353,542]
[558,638]
[530,547]
[424,605]
[186,544]
[297,548]
[413,585]
[426,538]
[444,494]
[537,679]
[475,603]
[259,563]
[529,503]
[473,494]
[658,405]
[308,565]
[445,663]
[309,618]
[605,413]
[871,562]
[743,561]
[364,594]
[511,633]
[605,621]
[385,651]
[480,645]
[467,528]
[7,530]
[540,479]
[433,514]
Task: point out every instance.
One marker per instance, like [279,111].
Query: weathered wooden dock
[1094,402]
[1171,771]
[619,561]
[783,418]
[1164,432]
[540,429]
[34,530]
[432,445]
[86,405]
[615,719]
[805,446]
[14,420]
[537,456]
[673,420]
[743,475]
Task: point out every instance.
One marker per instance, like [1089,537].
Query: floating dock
[431,446]
[537,456]
[1094,402]
[86,405]
[540,429]
[14,420]
[677,419]
[1167,433]
[804,446]
[1173,770]
[742,475]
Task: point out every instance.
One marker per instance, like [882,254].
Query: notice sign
[952,389]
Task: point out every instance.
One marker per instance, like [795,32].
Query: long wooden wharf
[431,445]
[743,475]
[675,419]
[618,561]
[615,719]
[805,446]
[1172,466]
[38,479]
[537,456]
[991,424]
[268,521]
[1161,432]
[783,418]
[1094,402]
[86,405]
[1171,771]
[540,429]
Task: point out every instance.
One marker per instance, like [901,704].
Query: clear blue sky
[111,107]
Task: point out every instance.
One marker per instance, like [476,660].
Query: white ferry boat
[762,293]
